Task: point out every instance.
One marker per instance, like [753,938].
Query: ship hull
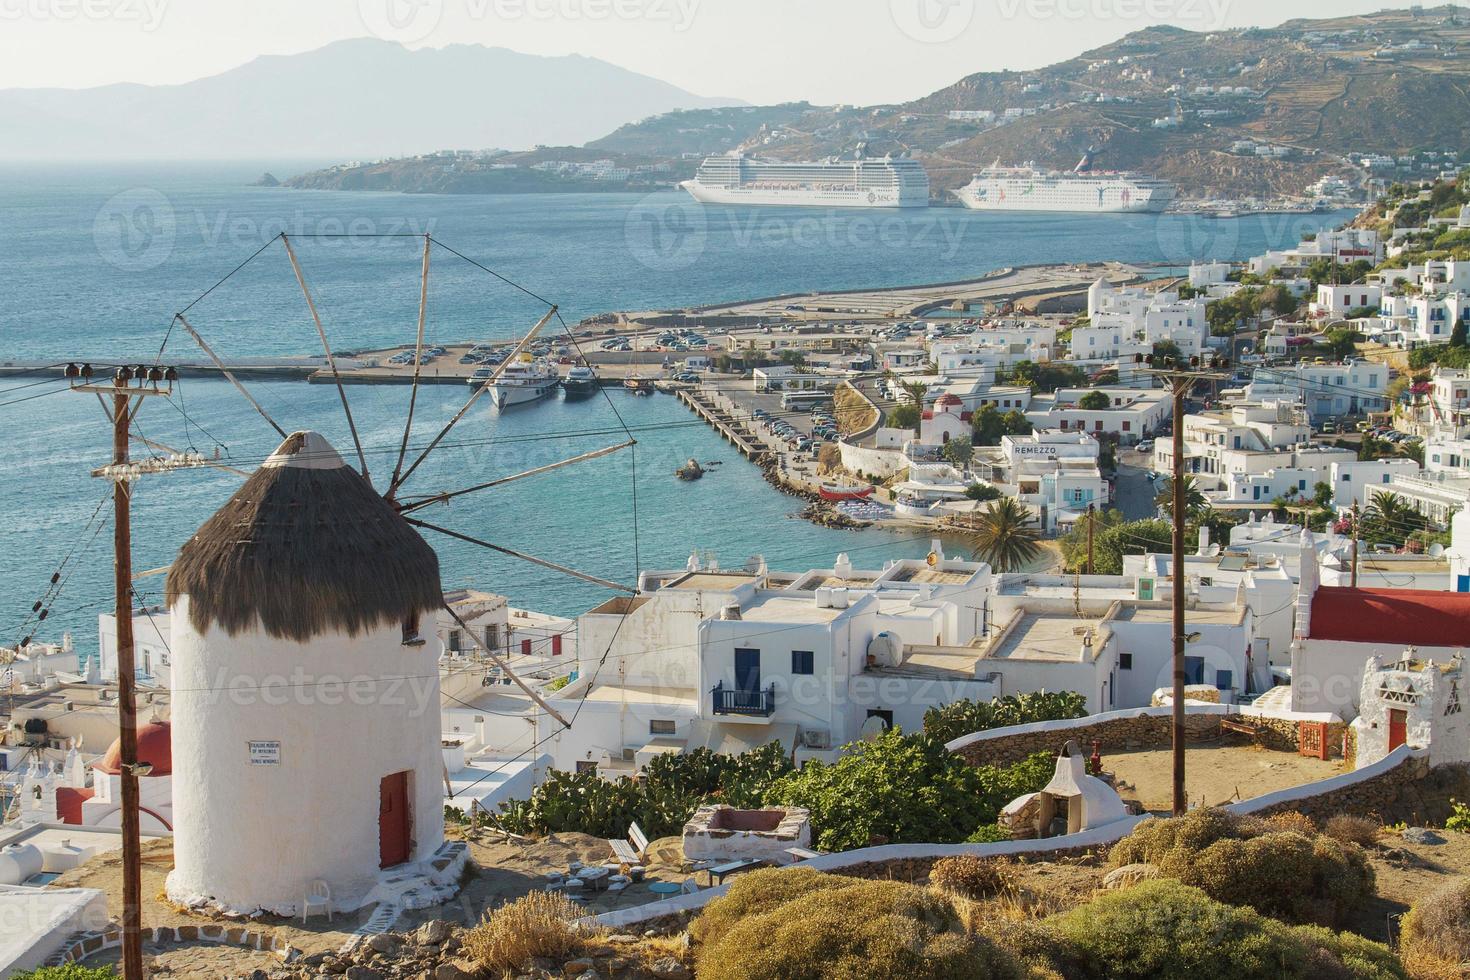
[577,390]
[508,396]
[1081,200]
[706,194]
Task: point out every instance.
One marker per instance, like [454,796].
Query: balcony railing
[735,701]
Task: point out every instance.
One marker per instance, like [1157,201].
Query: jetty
[722,422]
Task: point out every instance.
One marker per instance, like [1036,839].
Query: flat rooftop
[776,608]
[670,696]
[1046,636]
[711,581]
[826,580]
[1130,613]
[931,576]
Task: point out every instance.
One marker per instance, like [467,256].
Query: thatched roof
[305,547]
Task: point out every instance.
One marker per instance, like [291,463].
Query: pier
[723,423]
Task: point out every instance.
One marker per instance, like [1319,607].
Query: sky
[763,51]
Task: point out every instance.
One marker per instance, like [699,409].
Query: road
[1135,492]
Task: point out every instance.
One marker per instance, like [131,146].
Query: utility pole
[1181,376]
[1091,521]
[120,400]
[1355,545]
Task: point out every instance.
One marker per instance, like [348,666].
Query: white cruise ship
[1026,188]
[884,182]
[520,382]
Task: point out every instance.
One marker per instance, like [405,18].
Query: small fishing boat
[830,491]
[638,386]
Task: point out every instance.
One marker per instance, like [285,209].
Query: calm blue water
[98,260]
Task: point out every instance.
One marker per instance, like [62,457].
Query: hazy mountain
[357,98]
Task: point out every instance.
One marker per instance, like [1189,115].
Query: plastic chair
[318,896]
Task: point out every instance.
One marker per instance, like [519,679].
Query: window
[454,641]
[1127,426]
[801,662]
[411,637]
[586,765]
[1125,661]
[1194,670]
[660,726]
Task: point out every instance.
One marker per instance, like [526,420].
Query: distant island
[1331,108]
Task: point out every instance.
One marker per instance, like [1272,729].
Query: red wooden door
[393,820]
[1397,728]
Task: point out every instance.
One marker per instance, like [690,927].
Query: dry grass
[1293,821]
[536,924]
[1435,943]
[1351,829]
[973,877]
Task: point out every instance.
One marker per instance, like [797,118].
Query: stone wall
[1142,731]
[1411,793]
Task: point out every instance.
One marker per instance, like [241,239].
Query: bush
[71,971]
[1162,928]
[1459,819]
[988,833]
[536,924]
[965,717]
[1245,861]
[1435,936]
[972,876]
[861,930]
[1351,829]
[904,789]
[1292,820]
[758,892]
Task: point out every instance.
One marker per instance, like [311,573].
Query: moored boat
[830,491]
[580,382]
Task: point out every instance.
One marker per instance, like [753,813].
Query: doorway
[748,670]
[394,823]
[1398,725]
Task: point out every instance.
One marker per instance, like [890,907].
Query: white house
[1131,413]
[1344,246]
[1352,387]
[1416,701]
[1248,437]
[1338,301]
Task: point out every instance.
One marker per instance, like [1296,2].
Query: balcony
[734,701]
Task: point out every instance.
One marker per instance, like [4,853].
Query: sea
[98,259]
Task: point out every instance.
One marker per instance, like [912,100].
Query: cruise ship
[863,182]
[1026,188]
[524,381]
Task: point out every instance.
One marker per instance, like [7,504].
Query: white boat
[1026,188]
[861,182]
[522,381]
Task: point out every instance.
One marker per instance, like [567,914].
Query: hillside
[1245,113]
[357,98]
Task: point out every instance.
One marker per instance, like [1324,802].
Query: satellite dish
[932,558]
[1436,550]
[873,727]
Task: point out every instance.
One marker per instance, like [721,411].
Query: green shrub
[972,876]
[965,717]
[1435,935]
[71,971]
[867,930]
[988,833]
[1162,928]
[1292,820]
[1246,861]
[1459,819]
[904,789]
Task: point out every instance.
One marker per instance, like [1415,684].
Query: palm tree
[916,392]
[1195,503]
[1004,536]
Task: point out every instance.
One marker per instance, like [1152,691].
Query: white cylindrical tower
[306,735]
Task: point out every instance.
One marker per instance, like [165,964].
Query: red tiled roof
[1423,618]
[69,800]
